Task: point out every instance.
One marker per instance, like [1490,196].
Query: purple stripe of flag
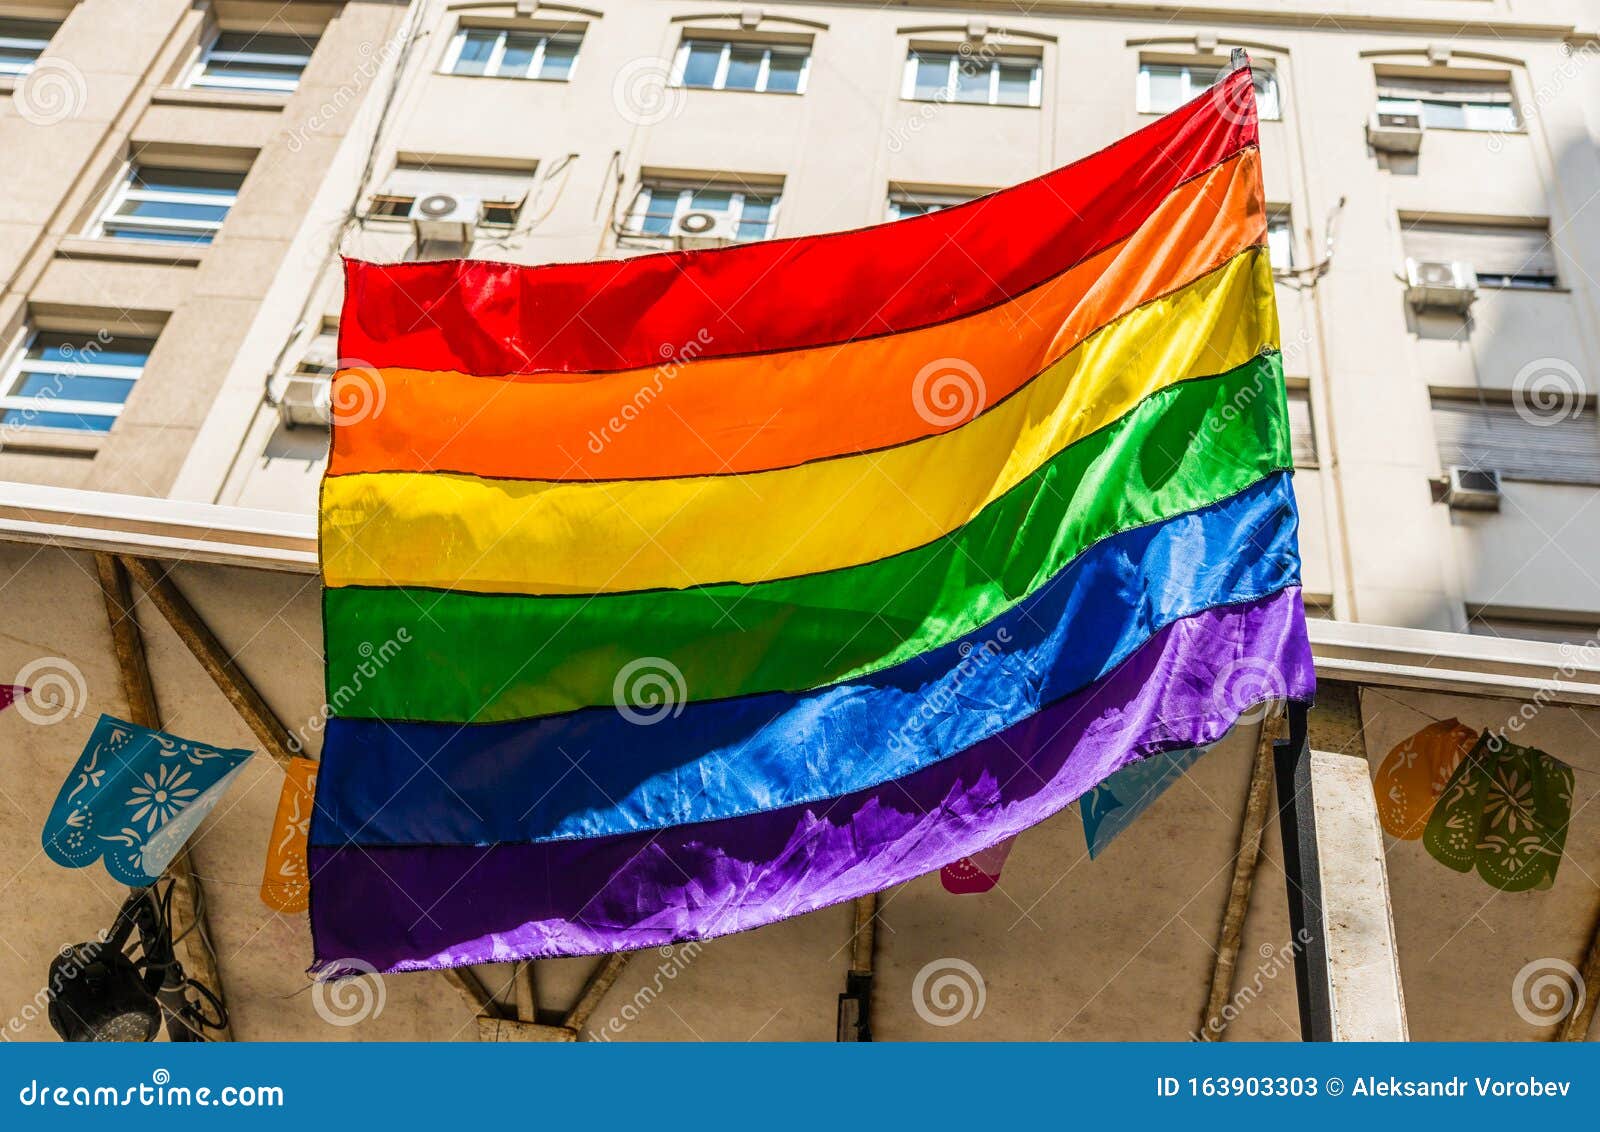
[418,907]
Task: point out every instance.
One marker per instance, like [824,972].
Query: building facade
[183,178]
[194,186]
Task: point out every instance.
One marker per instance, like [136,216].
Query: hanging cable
[1302,278]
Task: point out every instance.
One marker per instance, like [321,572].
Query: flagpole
[1302,874]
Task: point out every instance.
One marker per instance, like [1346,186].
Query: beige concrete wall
[223,312]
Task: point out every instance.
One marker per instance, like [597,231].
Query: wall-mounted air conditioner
[1395,131]
[1472,489]
[306,400]
[446,216]
[1440,285]
[698,229]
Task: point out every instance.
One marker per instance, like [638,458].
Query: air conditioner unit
[1395,131]
[306,400]
[1440,285]
[1472,489]
[697,229]
[446,216]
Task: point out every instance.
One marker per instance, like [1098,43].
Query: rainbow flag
[671,596]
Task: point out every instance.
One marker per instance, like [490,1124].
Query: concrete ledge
[1368,1004]
[286,541]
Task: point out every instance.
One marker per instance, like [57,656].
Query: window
[1302,439]
[737,213]
[724,65]
[241,60]
[1280,239]
[1496,435]
[1164,87]
[21,44]
[181,206]
[1503,255]
[73,381]
[500,191]
[908,202]
[1450,104]
[1484,622]
[955,76]
[504,54]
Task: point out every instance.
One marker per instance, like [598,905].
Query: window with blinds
[1302,440]
[1450,104]
[1496,435]
[1503,255]
[1483,622]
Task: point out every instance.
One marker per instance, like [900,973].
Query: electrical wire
[1370,691]
[1306,278]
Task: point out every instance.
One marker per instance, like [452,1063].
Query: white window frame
[680,64]
[1280,233]
[199,75]
[1270,112]
[648,190]
[497,54]
[1419,107]
[18,366]
[908,82]
[1461,249]
[936,202]
[170,226]
[18,70]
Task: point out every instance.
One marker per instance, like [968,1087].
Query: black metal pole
[1291,763]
